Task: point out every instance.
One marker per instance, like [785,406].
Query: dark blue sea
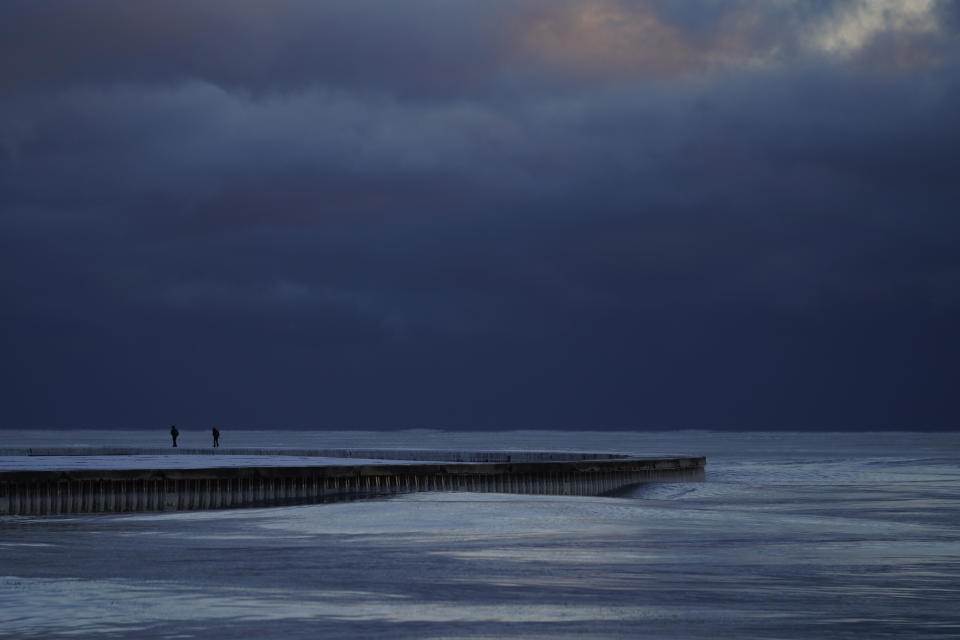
[793,535]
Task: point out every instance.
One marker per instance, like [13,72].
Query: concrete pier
[432,455]
[120,490]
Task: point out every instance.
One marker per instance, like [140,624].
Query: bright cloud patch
[855,27]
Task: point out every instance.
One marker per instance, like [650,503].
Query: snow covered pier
[44,481]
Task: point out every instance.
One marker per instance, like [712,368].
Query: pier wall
[122,491]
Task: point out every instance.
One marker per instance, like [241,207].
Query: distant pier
[131,480]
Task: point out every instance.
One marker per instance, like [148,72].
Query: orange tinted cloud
[601,37]
[611,38]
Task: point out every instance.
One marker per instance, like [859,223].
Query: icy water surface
[792,536]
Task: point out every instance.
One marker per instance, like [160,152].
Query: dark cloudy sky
[499,214]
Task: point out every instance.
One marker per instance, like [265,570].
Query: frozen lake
[792,536]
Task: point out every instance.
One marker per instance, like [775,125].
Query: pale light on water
[792,536]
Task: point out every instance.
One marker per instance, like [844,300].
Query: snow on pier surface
[185,461]
[113,458]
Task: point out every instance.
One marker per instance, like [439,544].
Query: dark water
[792,536]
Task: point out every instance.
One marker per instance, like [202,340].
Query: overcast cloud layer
[516,214]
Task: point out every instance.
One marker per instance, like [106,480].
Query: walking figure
[216,437]
[173,434]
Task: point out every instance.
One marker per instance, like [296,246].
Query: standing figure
[216,437]
[173,434]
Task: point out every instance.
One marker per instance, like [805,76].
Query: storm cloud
[536,214]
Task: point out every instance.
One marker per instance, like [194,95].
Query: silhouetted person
[173,434]
[216,437]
